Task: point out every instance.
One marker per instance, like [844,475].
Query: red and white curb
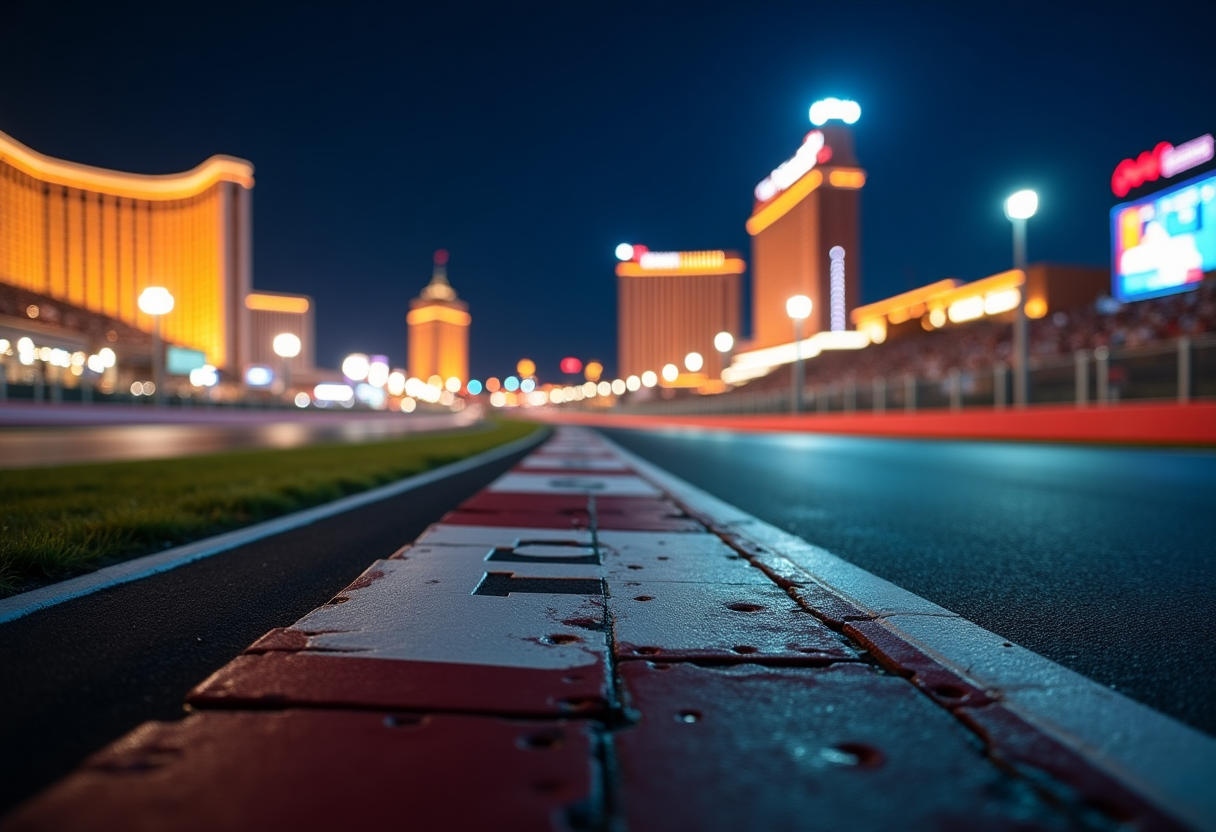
[590,643]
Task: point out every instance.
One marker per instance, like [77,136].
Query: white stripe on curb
[1170,764]
[134,570]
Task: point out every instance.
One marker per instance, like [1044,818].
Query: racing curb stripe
[1027,709]
[26,603]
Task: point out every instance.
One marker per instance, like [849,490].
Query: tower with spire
[438,329]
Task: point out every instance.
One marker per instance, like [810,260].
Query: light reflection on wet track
[25,447]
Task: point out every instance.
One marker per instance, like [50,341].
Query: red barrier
[1136,424]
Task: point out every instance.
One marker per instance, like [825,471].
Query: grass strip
[59,522]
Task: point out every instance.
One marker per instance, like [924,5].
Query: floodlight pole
[158,362]
[798,370]
[1021,349]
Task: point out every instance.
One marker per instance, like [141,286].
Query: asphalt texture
[79,675]
[1099,558]
[27,447]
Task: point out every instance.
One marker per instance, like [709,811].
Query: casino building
[805,235]
[672,303]
[438,324]
[95,238]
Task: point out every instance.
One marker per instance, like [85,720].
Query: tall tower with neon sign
[438,324]
[805,229]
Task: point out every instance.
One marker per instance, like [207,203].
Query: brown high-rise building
[805,238]
[672,303]
[438,324]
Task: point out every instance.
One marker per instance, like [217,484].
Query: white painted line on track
[622,485]
[26,603]
[1169,763]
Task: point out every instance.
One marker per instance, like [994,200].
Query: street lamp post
[799,309]
[1019,208]
[156,301]
[724,342]
[286,346]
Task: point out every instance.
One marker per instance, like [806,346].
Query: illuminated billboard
[1163,243]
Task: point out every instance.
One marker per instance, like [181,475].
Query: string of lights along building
[438,329]
[96,238]
[805,230]
[672,304]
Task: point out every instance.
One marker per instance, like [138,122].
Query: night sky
[530,138]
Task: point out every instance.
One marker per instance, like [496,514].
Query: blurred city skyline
[529,140]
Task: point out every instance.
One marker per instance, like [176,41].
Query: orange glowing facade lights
[846,178]
[665,263]
[526,367]
[426,314]
[781,204]
[291,304]
[593,371]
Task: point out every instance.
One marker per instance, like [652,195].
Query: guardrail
[1178,370]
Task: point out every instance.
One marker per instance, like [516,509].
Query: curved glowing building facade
[96,238]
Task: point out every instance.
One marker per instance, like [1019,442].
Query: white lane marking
[573,463]
[690,557]
[402,615]
[608,486]
[728,620]
[134,570]
[1169,763]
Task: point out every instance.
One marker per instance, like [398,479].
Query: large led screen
[1164,242]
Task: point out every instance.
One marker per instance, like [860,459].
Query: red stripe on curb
[316,770]
[278,678]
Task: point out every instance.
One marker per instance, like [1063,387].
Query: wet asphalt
[1102,559]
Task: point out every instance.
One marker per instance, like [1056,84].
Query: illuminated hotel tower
[672,303]
[438,324]
[96,238]
[805,236]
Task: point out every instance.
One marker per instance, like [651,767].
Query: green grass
[58,522]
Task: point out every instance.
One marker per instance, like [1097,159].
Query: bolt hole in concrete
[950,691]
[540,741]
[688,716]
[854,754]
[579,705]
[744,649]
[662,557]
[561,638]
[633,566]
[1006,644]
[744,607]
[404,721]
[643,597]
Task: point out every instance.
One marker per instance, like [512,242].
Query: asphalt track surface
[25,447]
[79,675]
[1101,559]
